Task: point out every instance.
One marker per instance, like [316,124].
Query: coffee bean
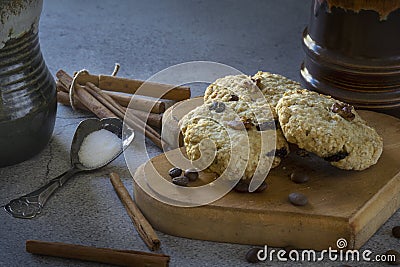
[192,174]
[396,231]
[299,177]
[242,187]
[344,265]
[175,172]
[181,180]
[261,188]
[336,157]
[394,257]
[251,255]
[268,125]
[234,98]
[298,199]
[217,107]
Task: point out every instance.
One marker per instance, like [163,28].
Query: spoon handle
[28,206]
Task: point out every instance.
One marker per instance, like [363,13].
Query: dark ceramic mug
[27,89]
[353,52]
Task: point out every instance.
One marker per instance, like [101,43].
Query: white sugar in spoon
[84,151]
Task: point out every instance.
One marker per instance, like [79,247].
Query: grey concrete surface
[145,37]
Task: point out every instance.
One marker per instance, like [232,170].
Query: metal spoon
[30,205]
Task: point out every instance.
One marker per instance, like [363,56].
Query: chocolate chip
[242,187]
[336,157]
[217,107]
[344,110]
[298,199]
[181,180]
[192,174]
[251,255]
[392,257]
[299,177]
[237,125]
[267,125]
[234,98]
[175,172]
[261,188]
[396,231]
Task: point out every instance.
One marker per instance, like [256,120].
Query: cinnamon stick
[131,86]
[138,103]
[143,227]
[94,254]
[93,104]
[152,119]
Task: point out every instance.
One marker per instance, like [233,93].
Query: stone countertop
[144,37]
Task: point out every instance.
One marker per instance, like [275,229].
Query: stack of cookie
[252,119]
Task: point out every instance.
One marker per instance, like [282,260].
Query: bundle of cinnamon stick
[110,96]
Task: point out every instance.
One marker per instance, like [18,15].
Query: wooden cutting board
[342,204]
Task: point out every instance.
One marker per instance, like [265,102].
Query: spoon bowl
[30,205]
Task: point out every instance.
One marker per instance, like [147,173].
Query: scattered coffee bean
[217,107]
[236,125]
[175,172]
[251,255]
[268,125]
[338,156]
[261,188]
[192,174]
[241,187]
[181,180]
[344,265]
[396,231]
[234,98]
[394,257]
[299,177]
[298,199]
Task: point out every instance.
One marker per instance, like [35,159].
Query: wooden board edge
[364,224]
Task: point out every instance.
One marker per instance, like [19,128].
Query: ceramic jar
[27,89]
[353,52]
